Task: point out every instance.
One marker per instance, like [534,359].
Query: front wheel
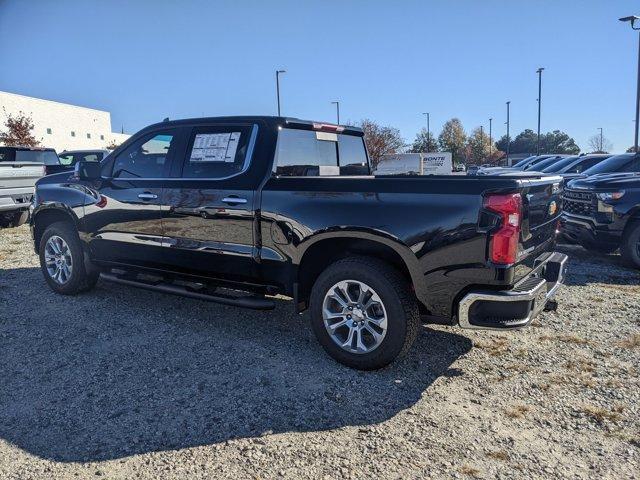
[62,260]
[630,247]
[363,313]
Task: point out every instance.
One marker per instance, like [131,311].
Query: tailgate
[19,175]
[541,205]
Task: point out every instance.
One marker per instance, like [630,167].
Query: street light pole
[633,19]
[428,132]
[508,139]
[600,128]
[490,138]
[539,71]
[337,104]
[278,72]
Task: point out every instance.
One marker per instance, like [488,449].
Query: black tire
[630,247]
[403,316]
[80,279]
[14,219]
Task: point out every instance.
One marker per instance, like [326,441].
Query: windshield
[617,163]
[559,165]
[524,161]
[46,157]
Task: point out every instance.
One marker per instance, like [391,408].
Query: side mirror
[88,170]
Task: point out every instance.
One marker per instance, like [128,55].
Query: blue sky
[385,60]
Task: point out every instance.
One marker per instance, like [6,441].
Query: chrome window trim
[247,163]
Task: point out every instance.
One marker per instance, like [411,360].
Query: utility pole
[428,132]
[278,72]
[337,104]
[633,19]
[600,128]
[490,138]
[508,139]
[539,71]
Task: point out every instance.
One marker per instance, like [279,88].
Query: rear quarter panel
[431,222]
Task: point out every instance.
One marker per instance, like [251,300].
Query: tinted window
[311,153]
[352,155]
[538,166]
[559,165]
[14,155]
[145,158]
[89,157]
[587,163]
[522,162]
[47,157]
[617,163]
[217,152]
[66,159]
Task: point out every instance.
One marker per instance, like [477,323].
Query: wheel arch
[324,249]
[45,216]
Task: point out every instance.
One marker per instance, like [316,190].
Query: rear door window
[217,152]
[314,153]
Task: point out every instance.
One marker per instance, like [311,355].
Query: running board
[253,302]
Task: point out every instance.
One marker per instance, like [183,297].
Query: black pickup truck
[602,213]
[237,210]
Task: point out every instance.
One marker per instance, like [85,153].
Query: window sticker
[215,147]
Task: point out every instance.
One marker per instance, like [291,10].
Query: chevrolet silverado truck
[602,213]
[237,210]
[20,168]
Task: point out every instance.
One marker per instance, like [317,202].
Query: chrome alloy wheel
[354,316]
[57,256]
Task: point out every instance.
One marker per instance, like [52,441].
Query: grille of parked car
[577,203]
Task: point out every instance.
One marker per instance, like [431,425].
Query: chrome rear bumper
[517,307]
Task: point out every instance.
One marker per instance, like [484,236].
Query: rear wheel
[630,248]
[62,260]
[363,313]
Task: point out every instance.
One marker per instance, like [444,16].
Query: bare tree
[599,144]
[380,140]
[18,132]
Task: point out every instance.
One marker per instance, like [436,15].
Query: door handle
[234,200]
[147,196]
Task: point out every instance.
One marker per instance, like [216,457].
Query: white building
[62,126]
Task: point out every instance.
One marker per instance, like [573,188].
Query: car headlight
[606,196]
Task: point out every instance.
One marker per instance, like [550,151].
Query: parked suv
[602,213]
[574,166]
[236,210]
[69,158]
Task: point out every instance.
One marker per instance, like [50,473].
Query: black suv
[602,213]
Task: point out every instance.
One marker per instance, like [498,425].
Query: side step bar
[253,302]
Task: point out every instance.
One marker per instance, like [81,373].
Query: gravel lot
[123,383]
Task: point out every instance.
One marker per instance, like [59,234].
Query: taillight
[503,247]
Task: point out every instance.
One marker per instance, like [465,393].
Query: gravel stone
[122,383]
